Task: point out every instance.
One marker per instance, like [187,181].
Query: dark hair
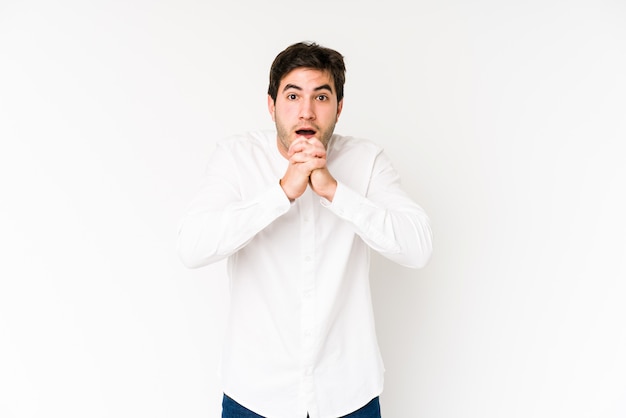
[307,55]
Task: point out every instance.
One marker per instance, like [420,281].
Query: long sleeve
[387,219]
[219,220]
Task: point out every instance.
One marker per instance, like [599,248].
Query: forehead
[307,78]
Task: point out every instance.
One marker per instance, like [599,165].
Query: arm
[219,221]
[387,219]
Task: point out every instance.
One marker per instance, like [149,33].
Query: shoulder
[350,145]
[252,140]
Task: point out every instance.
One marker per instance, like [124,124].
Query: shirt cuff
[277,194]
[345,202]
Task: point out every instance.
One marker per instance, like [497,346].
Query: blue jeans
[231,409]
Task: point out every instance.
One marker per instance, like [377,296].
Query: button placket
[307,296]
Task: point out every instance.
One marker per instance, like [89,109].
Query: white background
[505,119]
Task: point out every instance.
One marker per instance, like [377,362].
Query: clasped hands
[307,167]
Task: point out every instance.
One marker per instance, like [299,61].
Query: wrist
[280,183]
[328,192]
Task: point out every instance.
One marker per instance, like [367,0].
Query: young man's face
[306,105]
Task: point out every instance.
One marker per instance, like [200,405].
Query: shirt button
[308,371]
[307,258]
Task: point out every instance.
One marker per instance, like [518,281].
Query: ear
[339,109]
[271,106]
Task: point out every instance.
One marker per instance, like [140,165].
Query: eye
[322,97]
[292,96]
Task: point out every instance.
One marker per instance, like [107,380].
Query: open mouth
[305,132]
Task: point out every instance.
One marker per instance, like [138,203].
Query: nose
[307,110]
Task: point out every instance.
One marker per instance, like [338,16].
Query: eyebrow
[295,87]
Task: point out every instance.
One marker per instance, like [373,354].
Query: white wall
[505,120]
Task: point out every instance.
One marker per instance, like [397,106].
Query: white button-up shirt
[300,335]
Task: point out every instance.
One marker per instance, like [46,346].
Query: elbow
[413,251]
[192,260]
[423,250]
[416,256]
[418,259]
[422,259]
[189,261]
[190,256]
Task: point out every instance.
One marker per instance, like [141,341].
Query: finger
[318,153]
[301,157]
[314,164]
[297,144]
[307,152]
[294,149]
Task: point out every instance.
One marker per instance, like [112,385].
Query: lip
[309,132]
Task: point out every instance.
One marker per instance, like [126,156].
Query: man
[296,212]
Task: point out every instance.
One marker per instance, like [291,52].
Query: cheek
[331,117]
[285,114]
